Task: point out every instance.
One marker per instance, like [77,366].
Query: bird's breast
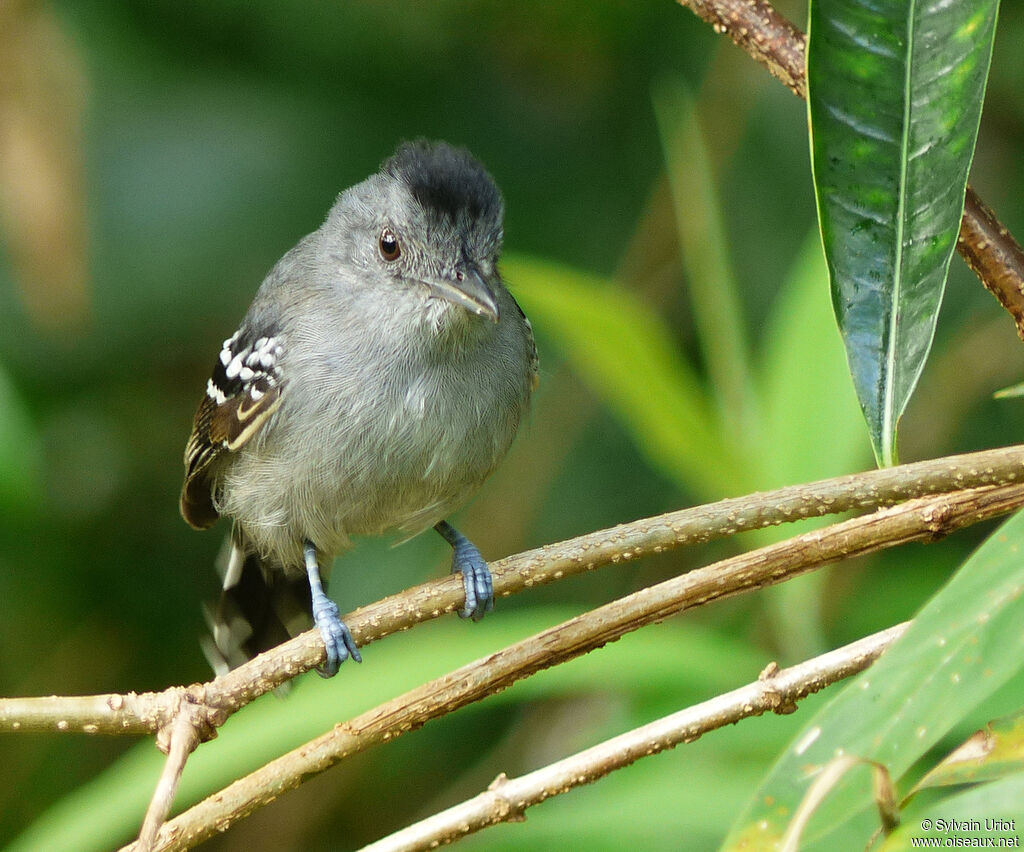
[383,436]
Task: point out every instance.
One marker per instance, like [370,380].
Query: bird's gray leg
[476,576]
[337,637]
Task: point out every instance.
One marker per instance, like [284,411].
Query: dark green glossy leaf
[895,89]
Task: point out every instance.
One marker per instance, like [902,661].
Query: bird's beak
[466,289]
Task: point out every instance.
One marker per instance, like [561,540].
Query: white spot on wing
[215,393]
[235,366]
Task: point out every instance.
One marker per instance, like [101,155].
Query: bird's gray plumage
[364,394]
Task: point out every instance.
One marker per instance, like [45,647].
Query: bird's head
[429,222]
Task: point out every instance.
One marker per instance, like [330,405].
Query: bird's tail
[258,609]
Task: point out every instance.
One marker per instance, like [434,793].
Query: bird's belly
[401,466]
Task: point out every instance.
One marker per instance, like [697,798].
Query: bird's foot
[476,576]
[476,580]
[337,637]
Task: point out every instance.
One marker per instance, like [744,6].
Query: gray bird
[378,378]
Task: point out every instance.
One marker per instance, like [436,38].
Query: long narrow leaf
[19,451]
[717,308]
[623,349]
[813,428]
[894,96]
[965,643]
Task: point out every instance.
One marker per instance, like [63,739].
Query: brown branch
[203,707]
[863,491]
[128,713]
[90,714]
[757,27]
[922,519]
[151,712]
[506,799]
[994,256]
[183,738]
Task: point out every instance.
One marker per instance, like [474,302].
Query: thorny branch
[150,712]
[506,799]
[988,248]
[922,519]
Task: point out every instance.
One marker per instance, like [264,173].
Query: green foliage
[986,803]
[894,97]
[993,752]
[704,250]
[625,350]
[20,484]
[963,646]
[794,419]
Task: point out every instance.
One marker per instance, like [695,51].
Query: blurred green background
[156,158]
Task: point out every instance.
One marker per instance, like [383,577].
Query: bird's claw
[476,579]
[338,639]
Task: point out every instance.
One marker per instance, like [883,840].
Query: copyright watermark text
[967,834]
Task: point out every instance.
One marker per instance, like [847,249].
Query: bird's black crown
[446,179]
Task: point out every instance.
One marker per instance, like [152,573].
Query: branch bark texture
[994,256]
[983,484]
[150,712]
[861,492]
[921,519]
[507,799]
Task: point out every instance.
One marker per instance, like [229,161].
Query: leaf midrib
[889,414]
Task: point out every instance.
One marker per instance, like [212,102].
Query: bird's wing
[244,390]
[534,359]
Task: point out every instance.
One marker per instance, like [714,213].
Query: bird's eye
[389,248]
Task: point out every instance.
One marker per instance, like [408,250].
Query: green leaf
[1011,392]
[19,451]
[624,351]
[965,643]
[993,752]
[894,97]
[717,308]
[813,427]
[994,810]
